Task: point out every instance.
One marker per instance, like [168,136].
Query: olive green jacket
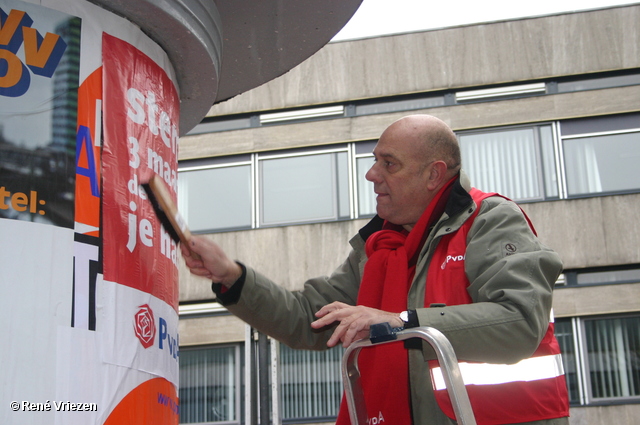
[511,293]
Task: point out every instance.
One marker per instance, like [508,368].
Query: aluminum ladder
[383,334]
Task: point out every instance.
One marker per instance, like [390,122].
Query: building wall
[457,58]
[290,254]
[468,56]
[589,232]
[460,117]
[626,414]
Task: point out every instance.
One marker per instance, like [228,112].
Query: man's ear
[437,175]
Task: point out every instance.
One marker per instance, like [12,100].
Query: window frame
[258,195]
[550,165]
[239,383]
[342,190]
[539,165]
[582,361]
[563,138]
[216,164]
[360,150]
[571,276]
[311,368]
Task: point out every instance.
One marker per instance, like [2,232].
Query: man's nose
[372,175]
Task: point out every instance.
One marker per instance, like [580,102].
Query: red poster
[141,109]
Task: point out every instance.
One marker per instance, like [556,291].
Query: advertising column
[88,276]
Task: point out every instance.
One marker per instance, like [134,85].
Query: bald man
[438,253]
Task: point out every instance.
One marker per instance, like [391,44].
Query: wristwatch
[404,316]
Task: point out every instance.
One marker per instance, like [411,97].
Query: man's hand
[355,321]
[213,262]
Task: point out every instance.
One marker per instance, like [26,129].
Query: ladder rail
[446,357]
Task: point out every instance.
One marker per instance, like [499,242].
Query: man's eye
[386,164]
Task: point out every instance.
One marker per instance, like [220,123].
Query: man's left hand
[354,321]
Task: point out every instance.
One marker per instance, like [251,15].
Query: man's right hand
[213,262]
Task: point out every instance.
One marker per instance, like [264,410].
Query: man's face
[399,177]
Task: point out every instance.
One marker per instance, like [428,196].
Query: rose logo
[145,326]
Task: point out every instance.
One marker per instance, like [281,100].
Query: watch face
[404,316]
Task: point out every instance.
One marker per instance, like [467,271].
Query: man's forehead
[396,148]
[382,150]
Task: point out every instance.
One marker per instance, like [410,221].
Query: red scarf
[392,254]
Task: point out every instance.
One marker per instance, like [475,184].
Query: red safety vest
[531,390]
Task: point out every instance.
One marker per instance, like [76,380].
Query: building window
[565,335]
[366,195]
[600,154]
[210,385]
[601,358]
[364,161]
[266,189]
[216,197]
[612,346]
[303,188]
[515,162]
[598,83]
[602,276]
[573,158]
[310,383]
[602,163]
[216,125]
[408,104]
[527,163]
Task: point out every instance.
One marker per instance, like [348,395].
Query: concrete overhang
[222,48]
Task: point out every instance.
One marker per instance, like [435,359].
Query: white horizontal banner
[139,330]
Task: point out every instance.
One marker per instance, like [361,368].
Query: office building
[547,111]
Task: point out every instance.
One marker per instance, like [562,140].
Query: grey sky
[379,17]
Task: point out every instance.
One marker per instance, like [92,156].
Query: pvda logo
[144,327]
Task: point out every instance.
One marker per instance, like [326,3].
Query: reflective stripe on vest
[531,369]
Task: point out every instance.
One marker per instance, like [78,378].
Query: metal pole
[263,378]
[275,382]
[250,391]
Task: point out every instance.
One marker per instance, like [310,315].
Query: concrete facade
[454,58]
[221,49]
[589,232]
